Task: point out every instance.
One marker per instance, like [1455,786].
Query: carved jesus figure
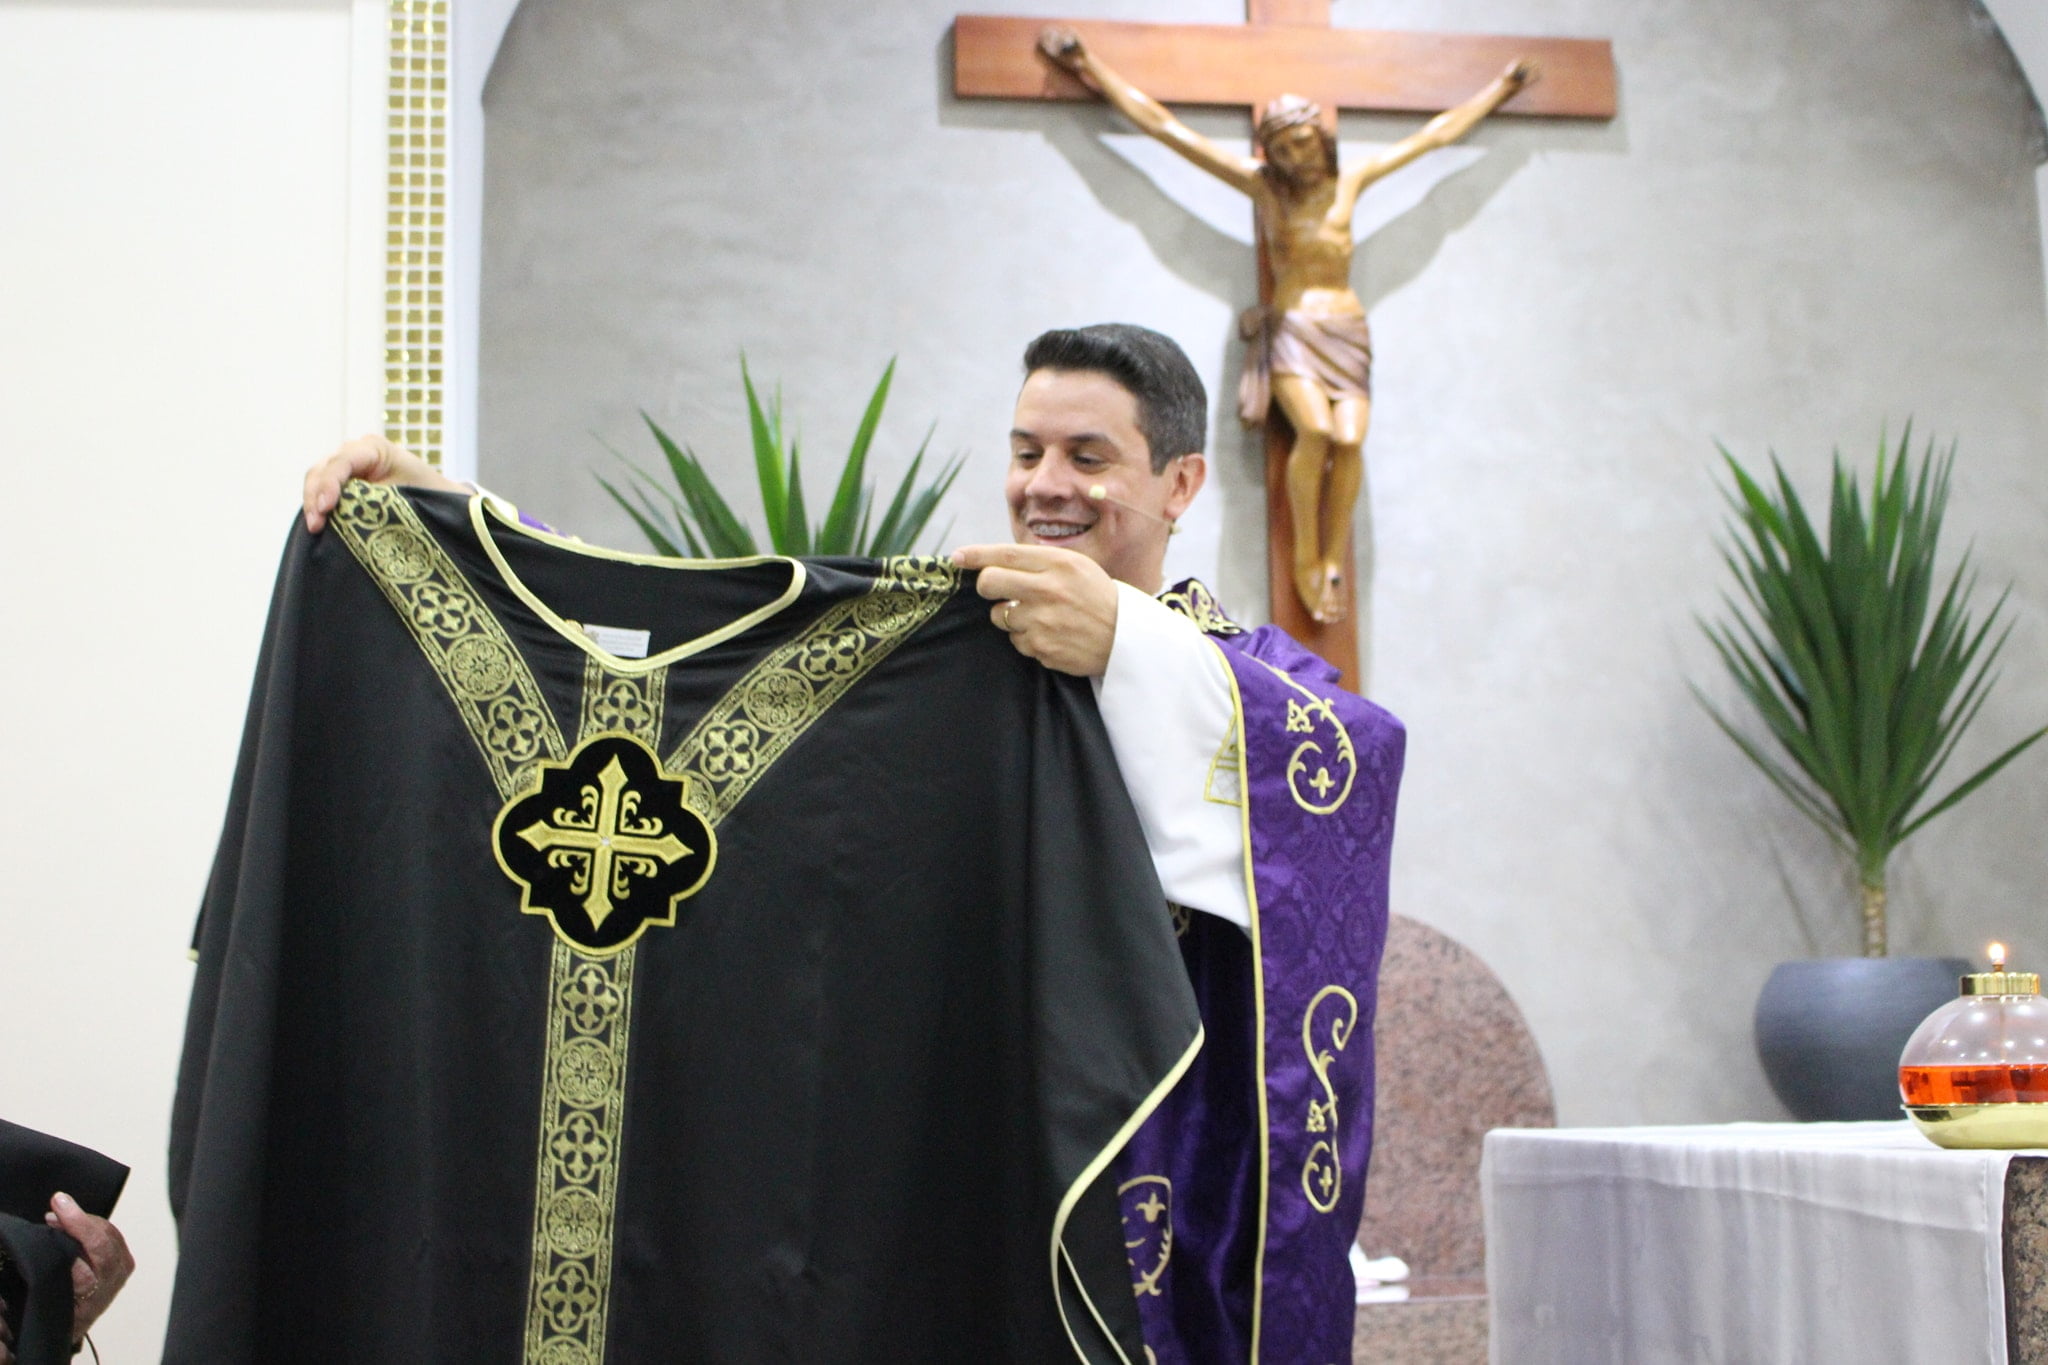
[1310,349]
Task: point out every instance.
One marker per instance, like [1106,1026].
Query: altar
[1822,1242]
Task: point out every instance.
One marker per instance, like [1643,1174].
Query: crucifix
[1309,355]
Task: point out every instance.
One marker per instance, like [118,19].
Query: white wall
[2025,26]
[172,216]
[1809,221]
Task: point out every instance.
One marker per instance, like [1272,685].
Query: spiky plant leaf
[661,543]
[767,444]
[698,515]
[849,501]
[1863,695]
[724,534]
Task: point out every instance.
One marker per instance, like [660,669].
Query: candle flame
[1996,952]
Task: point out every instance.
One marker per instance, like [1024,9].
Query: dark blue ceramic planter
[1829,1030]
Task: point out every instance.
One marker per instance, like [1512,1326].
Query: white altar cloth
[1742,1244]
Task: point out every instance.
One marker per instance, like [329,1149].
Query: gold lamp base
[2006,1127]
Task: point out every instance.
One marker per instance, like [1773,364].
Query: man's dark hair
[1173,407]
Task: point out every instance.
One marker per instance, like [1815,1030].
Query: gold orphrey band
[583,1093]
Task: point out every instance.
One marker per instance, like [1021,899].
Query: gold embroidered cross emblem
[1152,1207]
[604,844]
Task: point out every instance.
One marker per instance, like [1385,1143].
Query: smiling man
[1266,794]
[1267,797]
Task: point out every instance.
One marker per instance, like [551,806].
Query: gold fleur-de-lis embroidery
[1327,746]
[1322,1173]
[1148,1239]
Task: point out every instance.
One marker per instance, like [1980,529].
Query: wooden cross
[1288,47]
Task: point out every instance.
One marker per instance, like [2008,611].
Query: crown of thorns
[1291,111]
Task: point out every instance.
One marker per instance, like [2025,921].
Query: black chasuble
[781,995]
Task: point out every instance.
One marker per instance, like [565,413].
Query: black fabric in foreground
[34,1166]
[927,986]
[35,1258]
[35,1280]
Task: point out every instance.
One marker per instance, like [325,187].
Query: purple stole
[1242,1193]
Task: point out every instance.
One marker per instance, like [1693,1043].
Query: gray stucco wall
[1809,221]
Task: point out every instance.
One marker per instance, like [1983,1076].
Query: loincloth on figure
[1335,352]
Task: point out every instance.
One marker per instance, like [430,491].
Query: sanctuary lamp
[1975,1073]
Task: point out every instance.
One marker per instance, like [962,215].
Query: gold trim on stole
[1144,1111]
[1199,605]
[1251,893]
[1094,1168]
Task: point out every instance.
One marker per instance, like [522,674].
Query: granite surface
[2026,1261]
[1455,1059]
[1433,1329]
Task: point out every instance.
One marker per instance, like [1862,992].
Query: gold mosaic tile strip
[415,225]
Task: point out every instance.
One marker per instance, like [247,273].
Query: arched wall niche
[479,27]
[1808,221]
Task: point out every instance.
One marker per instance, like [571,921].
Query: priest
[1267,796]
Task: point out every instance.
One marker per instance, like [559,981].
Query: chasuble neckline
[484,509]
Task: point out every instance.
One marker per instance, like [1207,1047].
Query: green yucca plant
[695,519]
[1863,694]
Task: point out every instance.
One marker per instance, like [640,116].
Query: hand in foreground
[97,1275]
[1058,606]
[367,457]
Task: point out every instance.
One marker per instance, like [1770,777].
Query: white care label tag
[618,641]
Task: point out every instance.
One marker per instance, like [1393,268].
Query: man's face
[1073,430]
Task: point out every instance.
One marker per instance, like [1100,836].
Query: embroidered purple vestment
[1242,1193]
